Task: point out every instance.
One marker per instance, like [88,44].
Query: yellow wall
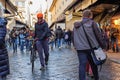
[70,24]
[72,19]
[59,8]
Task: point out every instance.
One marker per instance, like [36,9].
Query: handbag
[98,55]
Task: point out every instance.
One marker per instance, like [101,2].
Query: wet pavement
[63,65]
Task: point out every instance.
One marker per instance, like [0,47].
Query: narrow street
[86,24]
[63,65]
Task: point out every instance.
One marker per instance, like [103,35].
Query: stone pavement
[63,65]
[115,57]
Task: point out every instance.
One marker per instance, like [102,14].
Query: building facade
[48,15]
[74,12]
[57,10]
[21,12]
[10,12]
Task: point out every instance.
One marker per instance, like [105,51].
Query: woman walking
[4,61]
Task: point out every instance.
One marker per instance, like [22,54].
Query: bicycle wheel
[32,57]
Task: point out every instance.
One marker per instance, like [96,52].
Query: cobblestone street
[63,65]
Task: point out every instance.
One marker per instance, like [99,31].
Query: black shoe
[46,63]
[42,68]
[3,77]
[92,76]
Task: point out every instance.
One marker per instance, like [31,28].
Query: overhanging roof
[117,14]
[11,5]
[73,4]
[6,11]
[101,8]
[104,5]
[60,21]
[114,2]
[21,23]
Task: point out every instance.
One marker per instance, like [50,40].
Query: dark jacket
[4,62]
[41,30]
[80,40]
[3,30]
[59,33]
[70,35]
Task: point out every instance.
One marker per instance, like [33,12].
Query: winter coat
[59,33]
[3,30]
[4,62]
[41,30]
[69,34]
[80,40]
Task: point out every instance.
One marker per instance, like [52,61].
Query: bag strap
[97,40]
[86,36]
[89,40]
[93,28]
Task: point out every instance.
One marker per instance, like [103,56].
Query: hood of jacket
[78,24]
[41,22]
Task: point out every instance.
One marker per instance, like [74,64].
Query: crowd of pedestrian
[20,38]
[45,38]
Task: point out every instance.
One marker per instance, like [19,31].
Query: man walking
[82,46]
[41,38]
[59,36]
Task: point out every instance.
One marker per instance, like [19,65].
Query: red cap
[39,15]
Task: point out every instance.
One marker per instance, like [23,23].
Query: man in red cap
[41,30]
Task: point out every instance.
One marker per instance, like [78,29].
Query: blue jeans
[22,43]
[27,44]
[14,41]
[51,44]
[59,42]
[84,57]
[43,46]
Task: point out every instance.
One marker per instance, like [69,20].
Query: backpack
[66,36]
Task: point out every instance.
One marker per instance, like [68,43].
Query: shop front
[115,22]
[71,18]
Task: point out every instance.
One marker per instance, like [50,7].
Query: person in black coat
[4,61]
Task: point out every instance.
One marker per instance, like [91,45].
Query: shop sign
[69,17]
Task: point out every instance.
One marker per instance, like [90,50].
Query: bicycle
[33,54]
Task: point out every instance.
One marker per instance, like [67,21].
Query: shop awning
[104,5]
[11,5]
[6,11]
[114,2]
[117,12]
[20,23]
[73,4]
[60,21]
